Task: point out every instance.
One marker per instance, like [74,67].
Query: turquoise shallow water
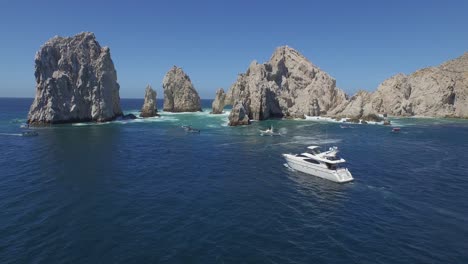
[144,191]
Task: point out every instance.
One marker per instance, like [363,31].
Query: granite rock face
[75,81]
[219,101]
[149,108]
[435,91]
[288,85]
[239,115]
[179,93]
[432,92]
[356,107]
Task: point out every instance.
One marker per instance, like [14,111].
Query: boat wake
[314,140]
[288,167]
[11,134]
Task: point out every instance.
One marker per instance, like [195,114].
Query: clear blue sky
[360,43]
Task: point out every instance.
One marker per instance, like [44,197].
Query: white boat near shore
[325,165]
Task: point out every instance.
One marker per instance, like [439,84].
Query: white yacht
[325,165]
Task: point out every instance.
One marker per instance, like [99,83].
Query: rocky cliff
[238,115]
[219,102]
[179,93]
[75,81]
[288,85]
[432,92]
[149,108]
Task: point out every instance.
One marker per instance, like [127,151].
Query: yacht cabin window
[333,166]
[314,151]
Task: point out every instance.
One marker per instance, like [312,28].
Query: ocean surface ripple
[145,191]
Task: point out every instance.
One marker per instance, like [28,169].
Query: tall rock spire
[75,81]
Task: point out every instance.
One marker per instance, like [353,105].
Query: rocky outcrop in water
[127,117]
[239,115]
[433,92]
[179,93]
[219,102]
[75,81]
[149,108]
[288,85]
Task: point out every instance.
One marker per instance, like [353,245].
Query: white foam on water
[152,119]
[80,124]
[205,112]
[223,114]
[11,134]
[314,140]
[213,126]
[332,120]
[321,119]
[18,120]
[92,123]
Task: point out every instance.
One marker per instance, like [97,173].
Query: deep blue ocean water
[144,191]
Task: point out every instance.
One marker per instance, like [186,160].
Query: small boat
[193,130]
[269,132]
[326,165]
[396,129]
[29,134]
[190,129]
[345,126]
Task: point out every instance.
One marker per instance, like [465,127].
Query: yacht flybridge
[325,165]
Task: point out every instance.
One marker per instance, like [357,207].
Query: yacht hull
[340,175]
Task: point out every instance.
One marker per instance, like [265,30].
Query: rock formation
[179,93]
[127,117]
[433,92]
[149,108]
[239,115]
[314,108]
[75,81]
[288,85]
[352,107]
[219,102]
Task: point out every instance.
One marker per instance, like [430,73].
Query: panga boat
[396,129]
[190,129]
[29,133]
[325,165]
[269,132]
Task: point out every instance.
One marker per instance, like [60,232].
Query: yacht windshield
[333,166]
[314,151]
[333,157]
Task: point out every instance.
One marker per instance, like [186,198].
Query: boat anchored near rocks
[190,129]
[325,165]
[29,133]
